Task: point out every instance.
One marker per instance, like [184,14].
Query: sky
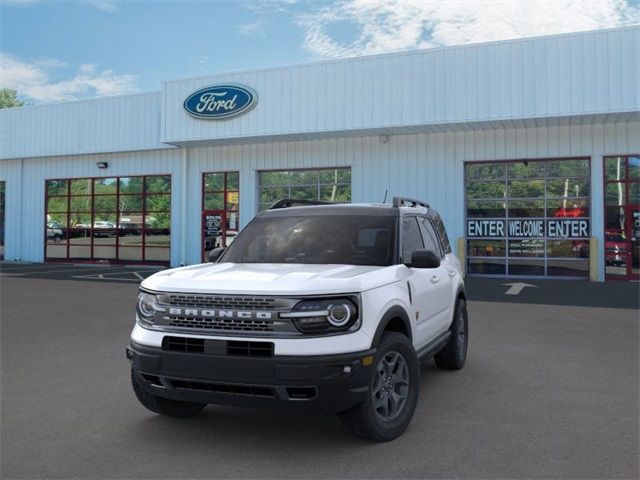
[54,50]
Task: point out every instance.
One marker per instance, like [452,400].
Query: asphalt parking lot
[550,390]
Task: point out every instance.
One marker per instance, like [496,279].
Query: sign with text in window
[528,228]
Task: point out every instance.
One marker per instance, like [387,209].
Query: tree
[8,98]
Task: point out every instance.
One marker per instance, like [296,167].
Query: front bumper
[323,384]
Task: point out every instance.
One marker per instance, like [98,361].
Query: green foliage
[8,98]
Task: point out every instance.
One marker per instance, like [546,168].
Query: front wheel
[393,392]
[454,353]
[164,406]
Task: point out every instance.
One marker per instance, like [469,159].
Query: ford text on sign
[220,101]
[524,228]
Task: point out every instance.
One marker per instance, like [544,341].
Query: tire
[367,420]
[164,406]
[454,353]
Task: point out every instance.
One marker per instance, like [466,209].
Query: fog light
[366,361]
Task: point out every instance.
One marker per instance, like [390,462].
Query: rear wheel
[393,392]
[164,406]
[454,354]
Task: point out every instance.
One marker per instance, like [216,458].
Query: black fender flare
[394,312]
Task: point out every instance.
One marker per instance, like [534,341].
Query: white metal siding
[115,124]
[26,192]
[427,166]
[576,74]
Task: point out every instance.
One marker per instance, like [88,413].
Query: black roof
[291,207]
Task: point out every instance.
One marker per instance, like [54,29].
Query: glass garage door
[115,219]
[528,218]
[622,217]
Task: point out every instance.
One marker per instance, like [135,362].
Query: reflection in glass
[118,217]
[634,168]
[525,208]
[57,187]
[525,188]
[525,169]
[487,266]
[57,204]
[535,191]
[213,182]
[81,204]
[56,250]
[105,203]
[105,186]
[306,177]
[526,248]
[157,203]
[158,184]
[568,268]
[130,253]
[485,208]
[568,248]
[157,254]
[569,208]
[130,185]
[81,186]
[568,188]
[526,267]
[615,193]
[568,168]
[214,201]
[485,171]
[614,168]
[485,190]
[130,203]
[486,248]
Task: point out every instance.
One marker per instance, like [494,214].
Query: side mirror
[424,259]
[214,254]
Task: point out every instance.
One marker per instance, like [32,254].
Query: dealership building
[528,148]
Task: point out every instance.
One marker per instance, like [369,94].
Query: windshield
[344,239]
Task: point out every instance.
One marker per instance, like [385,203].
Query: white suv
[314,307]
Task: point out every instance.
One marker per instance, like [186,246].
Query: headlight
[325,315]
[147,306]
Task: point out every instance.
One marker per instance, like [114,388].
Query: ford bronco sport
[316,307]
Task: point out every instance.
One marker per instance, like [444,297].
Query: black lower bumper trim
[327,383]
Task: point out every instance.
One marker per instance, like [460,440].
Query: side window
[429,235]
[411,238]
[442,233]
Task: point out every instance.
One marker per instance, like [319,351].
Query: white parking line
[57,270]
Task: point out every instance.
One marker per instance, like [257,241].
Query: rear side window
[411,238]
[442,233]
[430,237]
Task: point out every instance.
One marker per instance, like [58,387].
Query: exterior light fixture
[102,164]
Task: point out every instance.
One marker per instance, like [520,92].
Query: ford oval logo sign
[220,101]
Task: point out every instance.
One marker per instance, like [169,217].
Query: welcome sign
[220,102]
[525,228]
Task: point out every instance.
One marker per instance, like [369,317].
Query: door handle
[435,279]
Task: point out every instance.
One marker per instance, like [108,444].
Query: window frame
[91,212]
[263,205]
[545,177]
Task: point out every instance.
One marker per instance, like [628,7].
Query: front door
[622,218]
[214,231]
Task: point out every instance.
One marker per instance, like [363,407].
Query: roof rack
[292,202]
[409,202]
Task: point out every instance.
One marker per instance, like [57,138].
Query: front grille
[221,301]
[250,349]
[183,344]
[251,390]
[222,324]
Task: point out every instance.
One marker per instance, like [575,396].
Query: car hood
[275,279]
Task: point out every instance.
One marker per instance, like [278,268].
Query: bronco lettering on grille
[209,313]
